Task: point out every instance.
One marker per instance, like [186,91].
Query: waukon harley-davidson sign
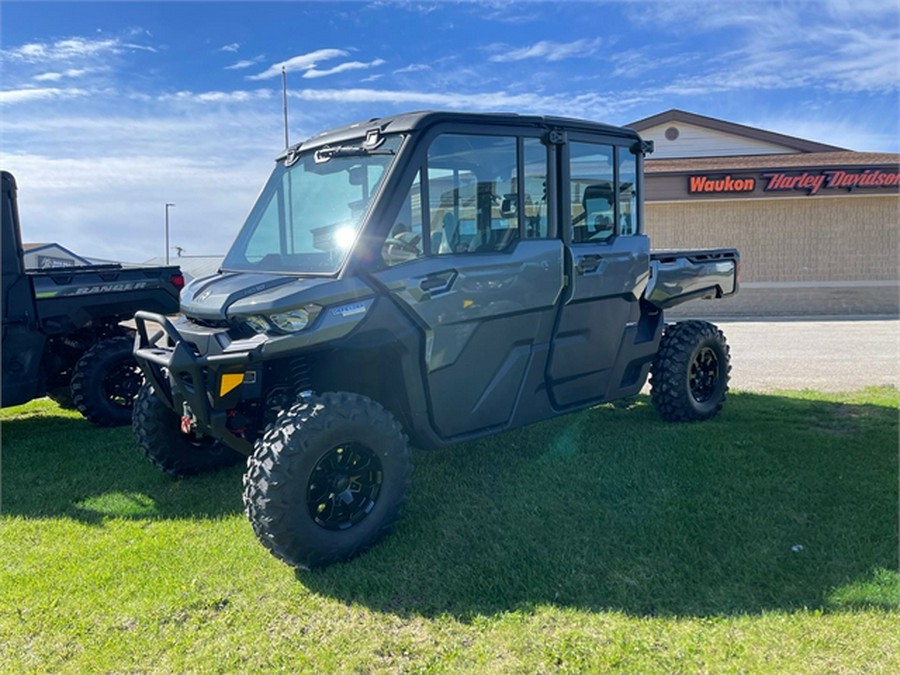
[811,182]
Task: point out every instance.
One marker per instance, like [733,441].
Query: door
[469,255]
[608,267]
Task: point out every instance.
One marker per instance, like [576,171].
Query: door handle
[435,283]
[588,263]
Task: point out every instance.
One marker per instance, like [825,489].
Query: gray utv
[436,277]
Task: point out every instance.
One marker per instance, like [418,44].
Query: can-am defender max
[441,276]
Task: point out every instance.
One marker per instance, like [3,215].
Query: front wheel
[157,430]
[689,376]
[105,382]
[327,480]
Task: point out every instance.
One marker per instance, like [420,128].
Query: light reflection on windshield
[308,215]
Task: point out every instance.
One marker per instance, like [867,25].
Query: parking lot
[833,356]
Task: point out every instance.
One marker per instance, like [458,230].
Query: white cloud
[550,51]
[55,77]
[412,68]
[239,96]
[837,45]
[12,96]
[342,68]
[302,62]
[233,47]
[592,105]
[211,163]
[48,77]
[244,63]
[69,49]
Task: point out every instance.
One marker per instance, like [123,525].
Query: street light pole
[168,204]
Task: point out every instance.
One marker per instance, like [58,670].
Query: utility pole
[168,204]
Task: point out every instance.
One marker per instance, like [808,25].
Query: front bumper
[190,383]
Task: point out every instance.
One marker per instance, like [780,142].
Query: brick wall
[815,239]
[815,256]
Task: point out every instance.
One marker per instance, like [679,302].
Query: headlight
[295,320]
[257,323]
[291,322]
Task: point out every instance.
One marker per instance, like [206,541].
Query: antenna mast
[284,101]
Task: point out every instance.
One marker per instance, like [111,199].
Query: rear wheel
[157,430]
[105,382]
[689,376]
[327,480]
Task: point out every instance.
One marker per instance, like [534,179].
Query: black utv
[432,276]
[64,330]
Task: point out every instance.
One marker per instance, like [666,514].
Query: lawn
[765,540]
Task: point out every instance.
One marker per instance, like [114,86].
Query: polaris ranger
[432,276]
[62,332]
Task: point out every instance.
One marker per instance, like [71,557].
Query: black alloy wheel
[122,384]
[106,381]
[327,480]
[704,377]
[689,375]
[344,486]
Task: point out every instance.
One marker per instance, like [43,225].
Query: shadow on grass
[773,505]
[56,464]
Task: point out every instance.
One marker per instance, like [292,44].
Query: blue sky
[108,110]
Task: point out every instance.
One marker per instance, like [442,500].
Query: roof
[791,142]
[36,247]
[421,120]
[788,161]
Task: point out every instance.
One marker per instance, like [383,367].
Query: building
[50,256]
[817,225]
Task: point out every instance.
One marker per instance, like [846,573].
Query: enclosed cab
[441,276]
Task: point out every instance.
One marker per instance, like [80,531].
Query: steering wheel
[410,246]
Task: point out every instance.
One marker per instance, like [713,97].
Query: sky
[109,110]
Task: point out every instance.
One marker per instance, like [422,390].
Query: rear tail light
[177,280]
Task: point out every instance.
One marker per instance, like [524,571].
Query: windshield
[308,215]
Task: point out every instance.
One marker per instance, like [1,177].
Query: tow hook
[188,421]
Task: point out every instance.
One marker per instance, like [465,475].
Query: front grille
[209,323]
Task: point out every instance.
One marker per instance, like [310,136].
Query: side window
[592,198]
[404,240]
[535,193]
[472,193]
[627,192]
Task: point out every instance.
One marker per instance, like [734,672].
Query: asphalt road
[828,356]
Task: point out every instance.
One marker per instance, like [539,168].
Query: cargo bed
[679,276]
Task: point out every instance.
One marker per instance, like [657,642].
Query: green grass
[765,540]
